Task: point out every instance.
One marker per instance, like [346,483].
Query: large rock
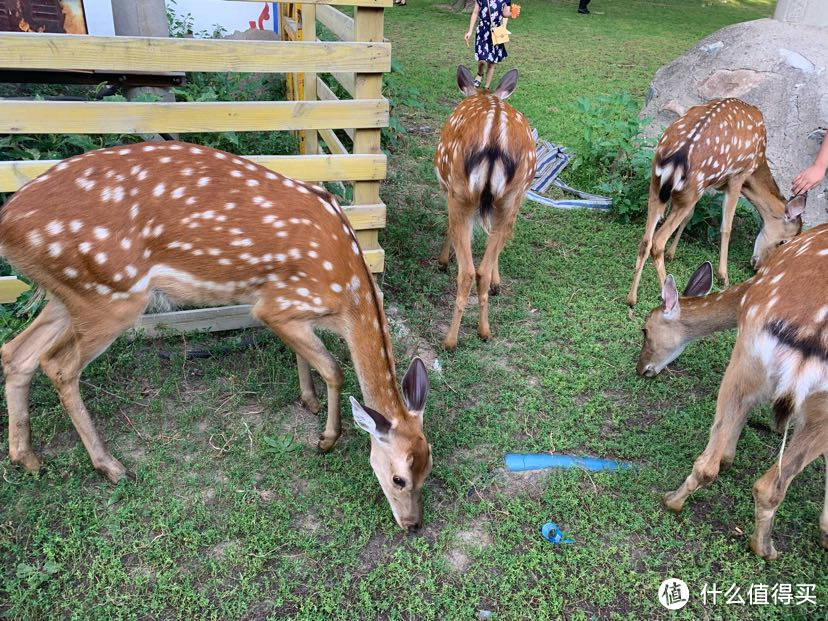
[781,69]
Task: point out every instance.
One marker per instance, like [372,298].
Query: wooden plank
[85,117]
[325,93]
[333,143]
[366,217]
[14,175]
[346,81]
[153,54]
[210,319]
[374,3]
[11,288]
[341,25]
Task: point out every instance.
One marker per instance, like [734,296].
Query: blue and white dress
[484,49]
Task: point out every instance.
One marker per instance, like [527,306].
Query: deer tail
[671,172]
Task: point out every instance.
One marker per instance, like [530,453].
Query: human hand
[807,179]
[468,37]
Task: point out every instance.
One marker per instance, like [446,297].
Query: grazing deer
[781,354]
[485,163]
[100,232]
[719,144]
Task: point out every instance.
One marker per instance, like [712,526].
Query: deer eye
[399,482]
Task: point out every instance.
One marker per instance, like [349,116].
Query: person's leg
[481,67]
[582,6]
[489,74]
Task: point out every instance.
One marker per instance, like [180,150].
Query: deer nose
[647,371]
[754,260]
[413,529]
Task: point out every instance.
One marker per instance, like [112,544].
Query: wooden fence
[357,61]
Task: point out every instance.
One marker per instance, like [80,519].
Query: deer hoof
[30,462]
[764,549]
[671,501]
[325,444]
[823,539]
[449,344]
[311,403]
[494,289]
[484,334]
[114,470]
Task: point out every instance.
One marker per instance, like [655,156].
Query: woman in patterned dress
[491,14]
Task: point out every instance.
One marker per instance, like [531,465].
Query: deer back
[203,225]
[485,146]
[707,145]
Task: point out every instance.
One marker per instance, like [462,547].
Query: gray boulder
[779,68]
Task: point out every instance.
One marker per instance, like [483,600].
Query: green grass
[233,515]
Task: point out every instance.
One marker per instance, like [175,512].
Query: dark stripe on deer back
[809,345]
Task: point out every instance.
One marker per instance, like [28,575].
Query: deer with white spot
[781,354]
[102,231]
[719,144]
[485,163]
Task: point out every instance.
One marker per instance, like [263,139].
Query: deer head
[665,335]
[778,231]
[400,455]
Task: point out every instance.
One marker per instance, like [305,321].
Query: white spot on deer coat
[54,249]
[100,232]
[84,247]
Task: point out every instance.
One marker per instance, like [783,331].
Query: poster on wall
[94,17]
[206,15]
[59,16]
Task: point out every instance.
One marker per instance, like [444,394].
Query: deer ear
[465,81]
[700,282]
[795,207]
[669,296]
[415,386]
[507,84]
[370,420]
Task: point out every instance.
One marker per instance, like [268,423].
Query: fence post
[368,27]
[309,34]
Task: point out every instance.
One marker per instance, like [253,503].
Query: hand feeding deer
[719,144]
[485,163]
[781,353]
[101,231]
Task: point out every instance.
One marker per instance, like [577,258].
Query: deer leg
[823,519]
[88,335]
[460,231]
[502,230]
[494,288]
[769,491]
[740,389]
[300,337]
[731,197]
[681,211]
[20,361]
[673,246]
[445,252]
[306,385]
[655,209]
[497,240]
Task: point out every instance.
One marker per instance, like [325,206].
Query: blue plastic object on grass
[519,462]
[551,532]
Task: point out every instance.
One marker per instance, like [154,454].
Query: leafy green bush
[614,146]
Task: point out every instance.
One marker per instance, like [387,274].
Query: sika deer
[485,163]
[781,353]
[719,144]
[101,231]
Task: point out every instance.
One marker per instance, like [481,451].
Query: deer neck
[370,344]
[715,312]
